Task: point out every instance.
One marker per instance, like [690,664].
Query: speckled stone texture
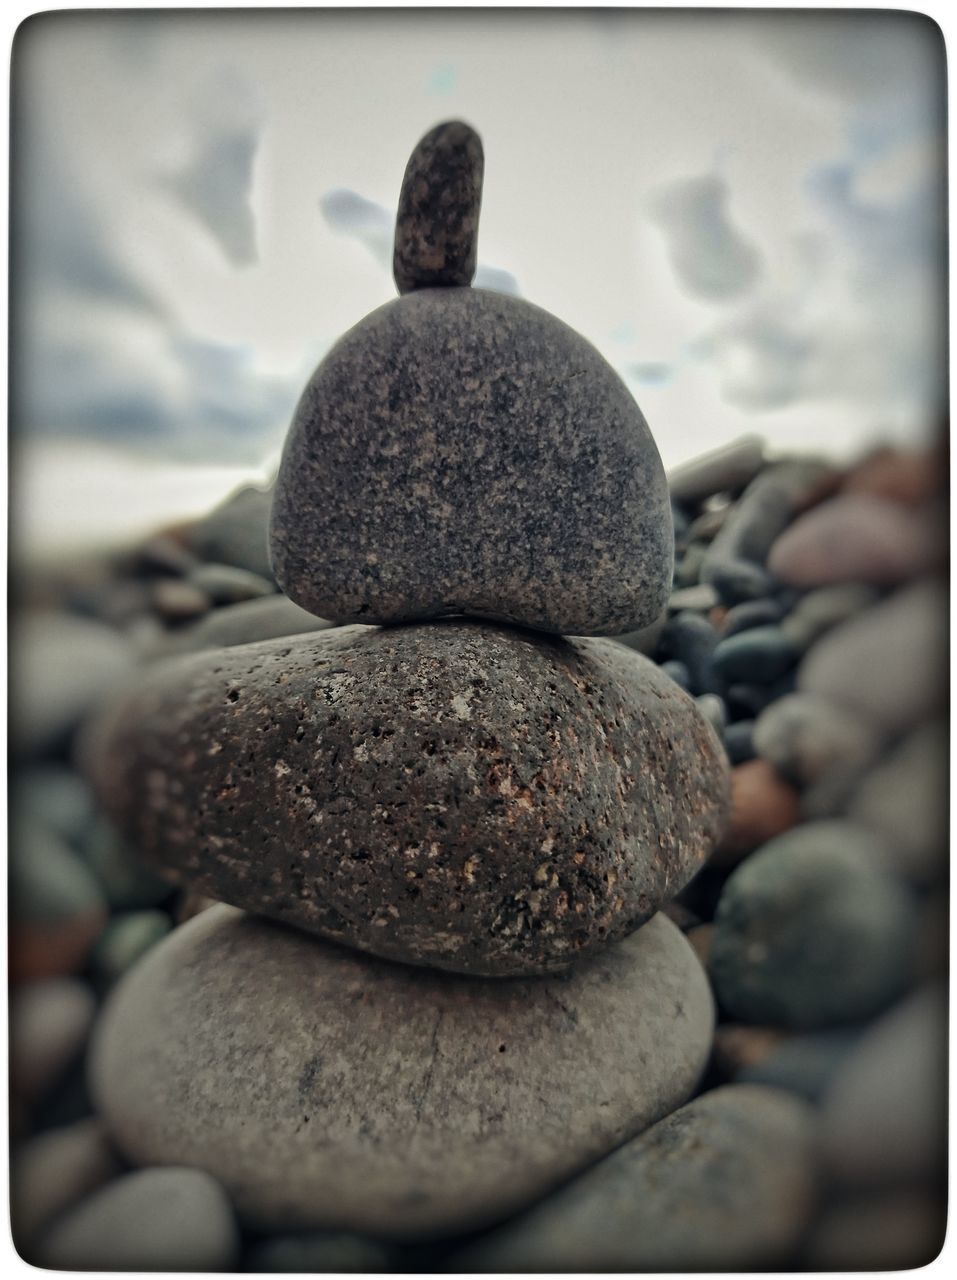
[461,451]
[436,231]
[325,1088]
[725,1184]
[477,798]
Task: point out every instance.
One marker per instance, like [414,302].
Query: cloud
[710,256]
[349,214]
[216,179]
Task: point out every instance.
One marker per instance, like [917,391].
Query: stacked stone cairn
[383,945]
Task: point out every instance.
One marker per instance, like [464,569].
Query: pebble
[331,1090]
[699,598]
[820,611]
[126,938]
[763,805]
[896,1230]
[237,532]
[225,584]
[436,229]
[890,663]
[739,741]
[678,672]
[61,667]
[810,933]
[58,797]
[126,882]
[855,538]
[318,1253]
[690,639]
[170,1219]
[56,907]
[752,613]
[727,1183]
[688,569]
[738,1047]
[724,470]
[53,1171]
[704,527]
[49,1024]
[253,620]
[179,600]
[503,803]
[645,639]
[806,737]
[904,800]
[759,655]
[550,511]
[803,1064]
[163,555]
[909,476]
[735,560]
[884,1114]
[714,711]
[748,700]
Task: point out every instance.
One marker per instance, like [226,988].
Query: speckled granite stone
[460,451]
[327,1089]
[436,231]
[478,798]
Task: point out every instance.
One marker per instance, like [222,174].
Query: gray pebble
[58,797]
[700,598]
[534,495]
[126,881]
[124,941]
[225,584]
[820,611]
[53,1171]
[724,470]
[170,1219]
[265,619]
[804,1064]
[810,933]
[714,711]
[752,613]
[236,532]
[330,1090]
[759,655]
[49,1024]
[806,738]
[318,1253]
[727,1183]
[739,741]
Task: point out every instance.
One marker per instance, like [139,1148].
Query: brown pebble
[737,1047]
[908,476]
[52,949]
[763,805]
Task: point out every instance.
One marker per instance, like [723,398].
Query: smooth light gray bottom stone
[153,1220]
[726,1183]
[53,1171]
[327,1089]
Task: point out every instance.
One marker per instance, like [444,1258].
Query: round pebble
[810,933]
[237,532]
[806,737]
[49,1023]
[763,805]
[759,655]
[727,1183]
[330,1090]
[170,1219]
[53,1171]
[820,611]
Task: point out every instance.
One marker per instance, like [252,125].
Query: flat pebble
[806,737]
[61,667]
[909,476]
[890,663]
[245,623]
[811,933]
[904,800]
[724,470]
[856,538]
[178,600]
[759,655]
[763,805]
[884,1117]
[752,613]
[225,584]
[820,611]
[699,598]
[727,1183]
[330,1090]
[53,1171]
[49,1024]
[502,804]
[170,1219]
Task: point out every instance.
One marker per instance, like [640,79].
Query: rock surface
[327,1089]
[810,933]
[481,799]
[460,451]
[727,1183]
[436,230]
[168,1219]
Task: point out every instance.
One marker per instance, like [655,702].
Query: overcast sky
[742,212]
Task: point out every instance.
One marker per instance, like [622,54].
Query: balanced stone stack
[485,803]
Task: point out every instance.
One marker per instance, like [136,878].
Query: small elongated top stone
[436,230]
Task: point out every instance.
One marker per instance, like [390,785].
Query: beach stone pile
[396,917]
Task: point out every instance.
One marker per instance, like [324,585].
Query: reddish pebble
[905,476]
[763,805]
